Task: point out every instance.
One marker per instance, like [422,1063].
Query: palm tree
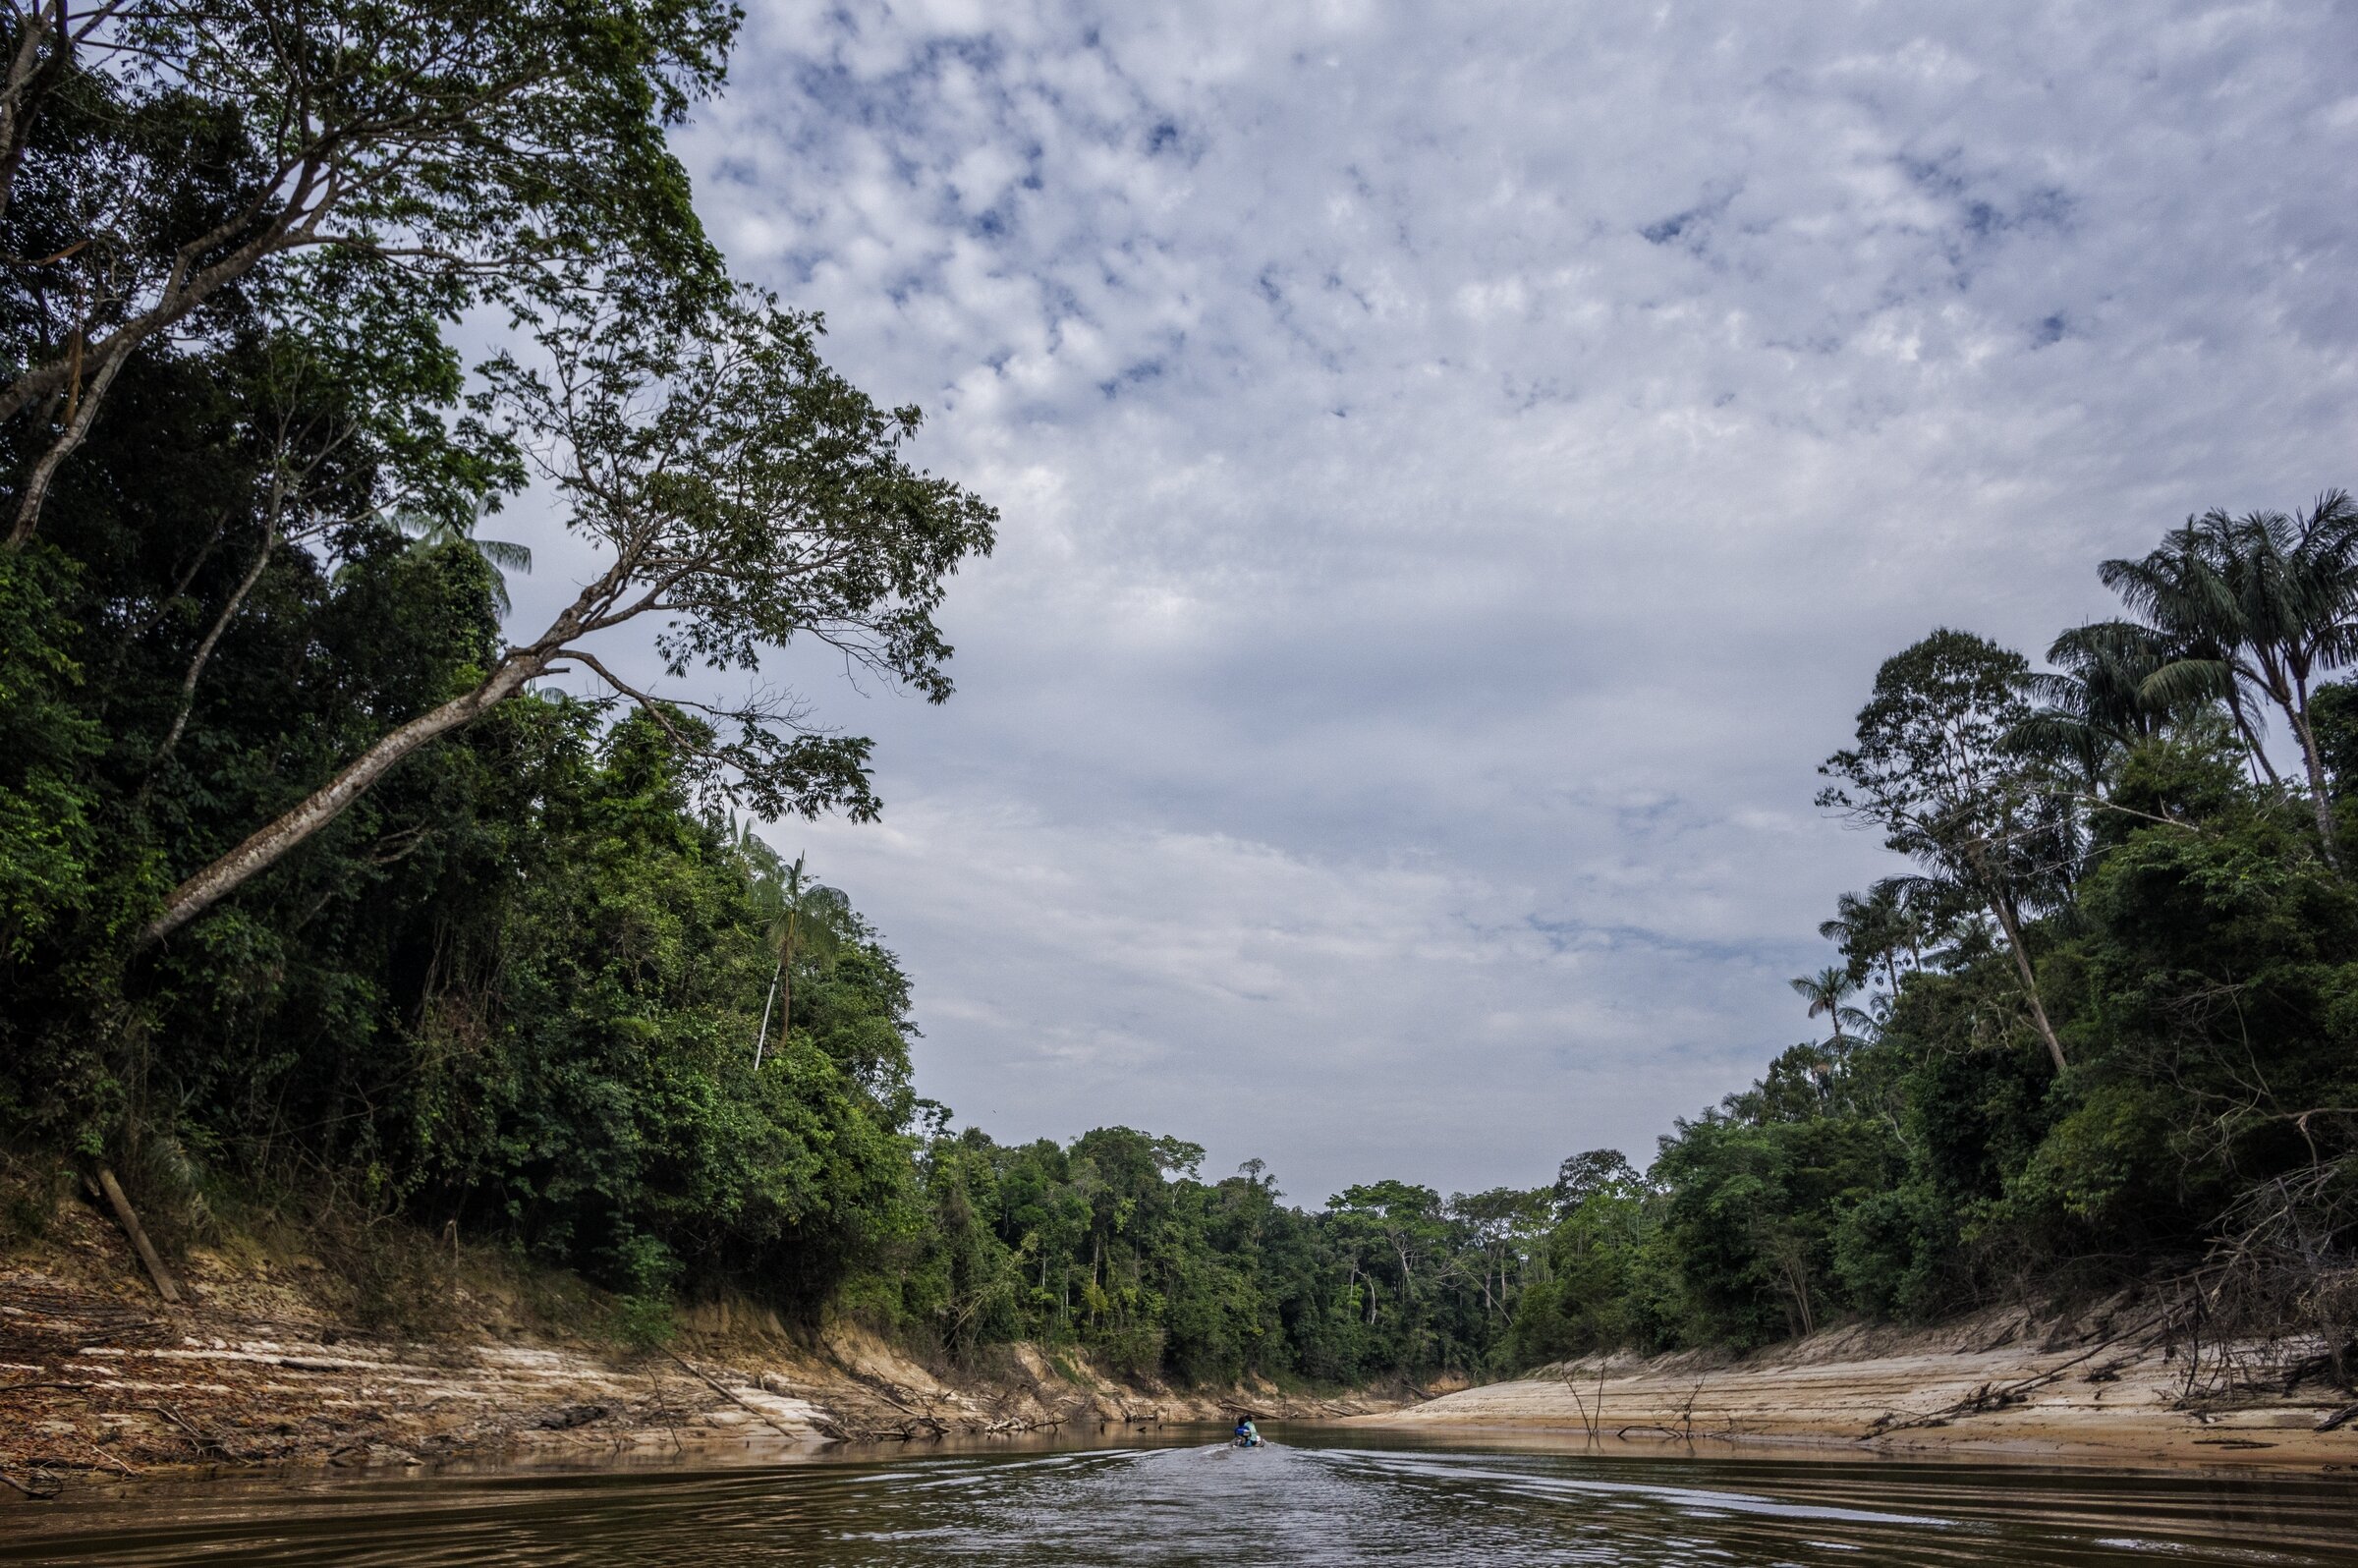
[434,532]
[799,917]
[2094,705]
[2262,602]
[1870,932]
[1929,908]
[1826,991]
[2295,581]
[781,892]
[2179,590]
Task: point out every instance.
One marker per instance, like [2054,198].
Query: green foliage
[48,819]
[644,1323]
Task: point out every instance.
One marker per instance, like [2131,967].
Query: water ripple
[1315,1502]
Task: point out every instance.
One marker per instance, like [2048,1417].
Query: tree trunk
[129,1219]
[761,1035]
[212,639]
[786,982]
[267,846]
[81,409]
[2003,910]
[2321,798]
[18,103]
[2251,739]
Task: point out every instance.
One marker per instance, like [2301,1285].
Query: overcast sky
[1460,469]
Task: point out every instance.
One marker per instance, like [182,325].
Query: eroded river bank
[259,1367]
[98,1380]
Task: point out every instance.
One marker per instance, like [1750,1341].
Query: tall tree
[1828,992]
[2094,705]
[747,494]
[2177,589]
[1940,769]
[801,919]
[1580,1176]
[2263,603]
[163,160]
[1873,931]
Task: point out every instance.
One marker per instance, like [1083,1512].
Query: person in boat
[1247,1435]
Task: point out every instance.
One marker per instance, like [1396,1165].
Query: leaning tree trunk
[211,640]
[761,1035]
[323,806]
[82,411]
[2003,909]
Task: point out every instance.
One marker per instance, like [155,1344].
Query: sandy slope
[2002,1382]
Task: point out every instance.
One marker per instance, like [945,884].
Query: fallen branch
[715,1385]
[1996,1396]
[925,1418]
[202,1441]
[129,1219]
[35,1492]
[110,1458]
[2339,1419]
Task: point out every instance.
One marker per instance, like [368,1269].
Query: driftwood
[128,1470]
[44,1488]
[129,1219]
[1998,1396]
[2339,1419]
[200,1441]
[1593,1420]
[715,1385]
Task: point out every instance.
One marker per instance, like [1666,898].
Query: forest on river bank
[324,902]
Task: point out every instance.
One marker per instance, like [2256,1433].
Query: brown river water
[1311,1495]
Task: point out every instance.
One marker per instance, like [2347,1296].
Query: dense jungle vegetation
[316,898]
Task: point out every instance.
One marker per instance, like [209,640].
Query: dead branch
[715,1385]
[129,1219]
[38,1492]
[1998,1396]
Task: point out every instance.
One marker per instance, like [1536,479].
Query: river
[1314,1496]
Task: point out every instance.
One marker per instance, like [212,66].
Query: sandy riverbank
[2005,1382]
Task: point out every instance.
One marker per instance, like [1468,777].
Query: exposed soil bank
[258,1367]
[2102,1386]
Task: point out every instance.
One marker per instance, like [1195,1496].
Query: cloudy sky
[1460,468]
